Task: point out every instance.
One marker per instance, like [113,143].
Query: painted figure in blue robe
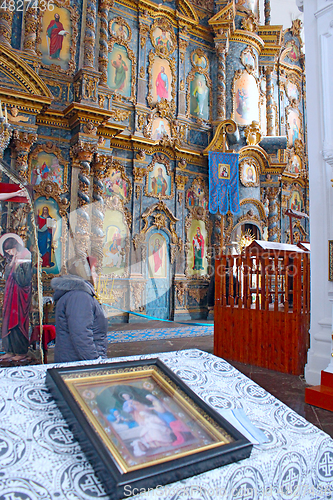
[295,131]
[114,416]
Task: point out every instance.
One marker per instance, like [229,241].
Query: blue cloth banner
[223,183]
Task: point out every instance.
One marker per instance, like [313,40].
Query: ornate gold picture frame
[117,415]
[163,37]
[46,163]
[159,178]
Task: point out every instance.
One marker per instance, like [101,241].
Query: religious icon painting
[295,166]
[249,59]
[293,126]
[157,256]
[120,70]
[198,58]
[197,195]
[57,37]
[199,97]
[159,181]
[248,172]
[114,246]
[245,99]
[292,91]
[197,236]
[163,40]
[49,228]
[46,167]
[161,81]
[296,202]
[117,184]
[160,129]
[291,52]
[118,28]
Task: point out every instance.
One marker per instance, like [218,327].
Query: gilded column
[82,154]
[30,30]
[6,22]
[100,165]
[103,60]
[273,214]
[5,134]
[269,102]
[21,146]
[221,79]
[267,11]
[90,35]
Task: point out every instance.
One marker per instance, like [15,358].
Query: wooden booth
[262,306]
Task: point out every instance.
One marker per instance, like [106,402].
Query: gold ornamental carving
[119,115]
[90,128]
[136,295]
[181,181]
[181,288]
[198,294]
[250,23]
[253,134]
[296,27]
[139,173]
[116,167]
[159,207]
[21,145]
[30,30]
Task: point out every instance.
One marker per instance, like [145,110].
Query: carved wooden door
[158,275]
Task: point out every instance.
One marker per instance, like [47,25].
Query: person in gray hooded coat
[81,325]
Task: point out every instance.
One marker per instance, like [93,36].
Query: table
[40,459]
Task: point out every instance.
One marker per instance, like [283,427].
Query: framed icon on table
[141,426]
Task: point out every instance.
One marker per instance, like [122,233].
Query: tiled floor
[287,388]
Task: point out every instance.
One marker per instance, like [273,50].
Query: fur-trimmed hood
[70,282]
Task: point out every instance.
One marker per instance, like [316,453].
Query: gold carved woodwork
[250,23]
[180,197]
[50,148]
[15,117]
[136,295]
[90,128]
[19,221]
[144,30]
[253,134]
[21,145]
[219,140]
[113,166]
[181,288]
[162,159]
[6,23]
[182,164]
[142,73]
[30,30]
[181,181]
[160,206]
[139,173]
[55,69]
[198,294]
[119,115]
[296,27]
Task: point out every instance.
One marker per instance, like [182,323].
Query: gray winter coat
[81,325]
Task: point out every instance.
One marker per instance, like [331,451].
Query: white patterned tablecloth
[40,459]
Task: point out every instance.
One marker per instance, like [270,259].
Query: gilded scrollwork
[181,181]
[198,294]
[253,134]
[159,178]
[181,287]
[74,19]
[161,208]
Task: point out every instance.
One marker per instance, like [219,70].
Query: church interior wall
[117,158]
